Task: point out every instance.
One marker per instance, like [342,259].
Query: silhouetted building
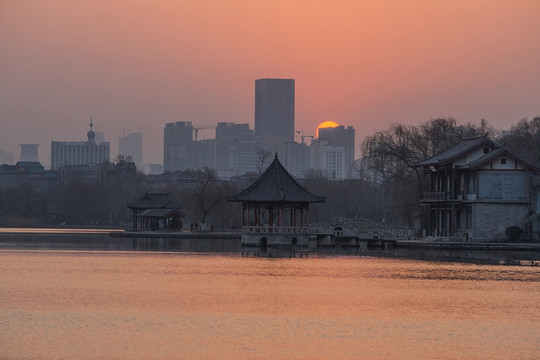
[6,157]
[29,152]
[79,152]
[329,159]
[236,151]
[341,136]
[178,146]
[274,109]
[29,173]
[131,145]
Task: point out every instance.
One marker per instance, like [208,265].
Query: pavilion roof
[276,185]
[153,201]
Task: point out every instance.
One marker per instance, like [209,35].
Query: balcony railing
[275,230]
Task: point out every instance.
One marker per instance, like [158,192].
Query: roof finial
[91,123]
[275,156]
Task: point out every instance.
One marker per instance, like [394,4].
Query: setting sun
[326,124]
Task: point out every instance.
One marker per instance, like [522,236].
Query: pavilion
[275,209]
[154,211]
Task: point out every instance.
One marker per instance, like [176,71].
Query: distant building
[29,173]
[104,173]
[178,146]
[131,145]
[296,158]
[274,109]
[478,190]
[6,157]
[341,136]
[329,159]
[235,149]
[79,152]
[29,152]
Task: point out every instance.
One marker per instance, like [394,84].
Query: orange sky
[368,64]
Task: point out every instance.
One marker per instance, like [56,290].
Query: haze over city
[137,64]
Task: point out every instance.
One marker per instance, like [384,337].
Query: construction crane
[302,136]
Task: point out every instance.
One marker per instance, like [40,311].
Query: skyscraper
[178,146]
[274,109]
[131,145]
[29,152]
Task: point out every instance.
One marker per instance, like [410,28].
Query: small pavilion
[275,209]
[154,211]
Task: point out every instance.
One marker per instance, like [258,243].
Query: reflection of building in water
[79,152]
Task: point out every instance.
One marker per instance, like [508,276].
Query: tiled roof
[153,201]
[498,152]
[456,151]
[276,185]
[160,213]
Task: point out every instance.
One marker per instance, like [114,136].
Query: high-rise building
[79,152]
[231,139]
[341,136]
[29,152]
[131,145]
[178,146]
[328,158]
[274,109]
[6,157]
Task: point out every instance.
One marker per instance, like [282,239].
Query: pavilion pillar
[279,214]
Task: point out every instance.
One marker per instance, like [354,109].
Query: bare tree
[263,156]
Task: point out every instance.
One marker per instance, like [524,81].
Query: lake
[135,304]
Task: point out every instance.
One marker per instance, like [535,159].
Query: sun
[326,124]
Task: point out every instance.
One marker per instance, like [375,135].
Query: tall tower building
[29,152]
[131,145]
[79,152]
[274,109]
[178,146]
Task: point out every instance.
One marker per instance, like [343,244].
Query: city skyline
[365,64]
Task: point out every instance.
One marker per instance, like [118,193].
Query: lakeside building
[79,152]
[478,190]
[275,209]
[155,211]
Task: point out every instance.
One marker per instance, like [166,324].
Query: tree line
[387,186]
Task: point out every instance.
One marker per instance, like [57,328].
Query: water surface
[58,304]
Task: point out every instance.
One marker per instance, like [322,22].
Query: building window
[503,161]
[486,150]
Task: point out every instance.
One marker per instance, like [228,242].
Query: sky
[137,65]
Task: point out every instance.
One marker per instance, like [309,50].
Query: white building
[79,152]
[328,159]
